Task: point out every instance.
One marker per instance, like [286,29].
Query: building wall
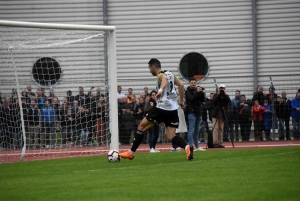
[220,30]
[167,30]
[278,44]
[82,63]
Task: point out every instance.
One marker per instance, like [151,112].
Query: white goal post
[112,69]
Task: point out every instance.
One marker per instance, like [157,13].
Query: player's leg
[138,138]
[179,142]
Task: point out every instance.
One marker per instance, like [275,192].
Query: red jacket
[258,112]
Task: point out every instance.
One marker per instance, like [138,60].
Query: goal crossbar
[56,26]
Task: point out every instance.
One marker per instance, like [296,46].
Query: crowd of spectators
[75,121]
[80,120]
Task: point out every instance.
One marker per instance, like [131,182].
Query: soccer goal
[58,90]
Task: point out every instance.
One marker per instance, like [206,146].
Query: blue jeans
[194,128]
[281,127]
[153,136]
[296,128]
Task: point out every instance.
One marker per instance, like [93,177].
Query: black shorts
[170,118]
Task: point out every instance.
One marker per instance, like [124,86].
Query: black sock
[138,138]
[178,141]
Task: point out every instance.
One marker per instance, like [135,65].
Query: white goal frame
[112,69]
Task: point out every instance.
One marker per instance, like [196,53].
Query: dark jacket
[287,108]
[206,109]
[245,112]
[218,102]
[280,109]
[268,97]
[33,116]
[259,96]
[194,101]
[83,120]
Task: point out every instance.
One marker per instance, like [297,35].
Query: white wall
[278,36]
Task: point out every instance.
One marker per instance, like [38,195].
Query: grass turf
[256,174]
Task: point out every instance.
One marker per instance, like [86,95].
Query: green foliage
[258,174]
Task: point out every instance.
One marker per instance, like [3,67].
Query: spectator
[258,120]
[71,128]
[98,94]
[25,107]
[295,103]
[83,125]
[100,113]
[206,109]
[48,117]
[65,100]
[139,111]
[131,96]
[25,97]
[75,108]
[81,97]
[133,103]
[245,117]
[127,125]
[16,124]
[40,99]
[7,125]
[14,96]
[259,95]
[33,125]
[43,92]
[29,92]
[270,97]
[120,94]
[267,115]
[63,124]
[235,114]
[153,133]
[70,98]
[229,123]
[287,114]
[194,98]
[146,93]
[279,108]
[220,103]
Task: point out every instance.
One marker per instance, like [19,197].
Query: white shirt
[168,100]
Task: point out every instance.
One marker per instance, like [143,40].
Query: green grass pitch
[255,174]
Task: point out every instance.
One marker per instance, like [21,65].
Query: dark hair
[238,91]
[153,91]
[272,88]
[192,79]
[243,95]
[154,62]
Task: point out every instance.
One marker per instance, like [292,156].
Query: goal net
[58,91]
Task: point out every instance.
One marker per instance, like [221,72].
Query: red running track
[9,156]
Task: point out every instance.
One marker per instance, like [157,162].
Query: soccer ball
[113,156]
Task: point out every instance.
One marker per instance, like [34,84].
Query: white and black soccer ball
[113,156]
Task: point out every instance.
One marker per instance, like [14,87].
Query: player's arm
[180,86]
[163,84]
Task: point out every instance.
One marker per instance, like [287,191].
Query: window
[46,72]
[193,65]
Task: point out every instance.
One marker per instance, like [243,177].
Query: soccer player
[165,111]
